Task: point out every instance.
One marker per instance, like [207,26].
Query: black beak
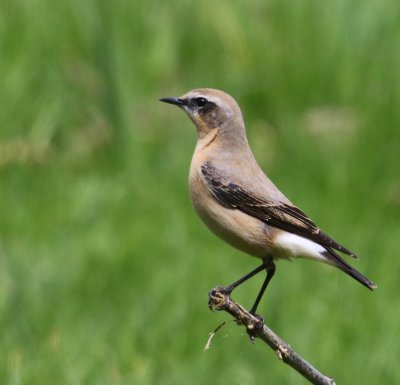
[177,101]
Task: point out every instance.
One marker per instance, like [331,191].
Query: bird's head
[210,110]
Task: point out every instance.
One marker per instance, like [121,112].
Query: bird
[239,203]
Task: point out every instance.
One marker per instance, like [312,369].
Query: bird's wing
[278,214]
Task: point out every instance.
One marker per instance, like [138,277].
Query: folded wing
[278,214]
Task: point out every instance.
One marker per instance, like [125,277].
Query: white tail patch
[293,246]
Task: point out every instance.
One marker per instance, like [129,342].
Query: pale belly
[240,230]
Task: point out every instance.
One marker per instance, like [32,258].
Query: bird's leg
[234,285]
[270,267]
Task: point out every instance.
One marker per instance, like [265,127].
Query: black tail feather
[338,261]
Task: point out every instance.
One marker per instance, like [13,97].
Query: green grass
[104,267]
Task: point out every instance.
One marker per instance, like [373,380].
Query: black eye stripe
[200,102]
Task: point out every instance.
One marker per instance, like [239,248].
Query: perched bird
[239,203]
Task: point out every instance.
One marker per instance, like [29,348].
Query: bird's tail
[338,261]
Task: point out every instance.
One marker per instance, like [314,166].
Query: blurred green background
[104,266]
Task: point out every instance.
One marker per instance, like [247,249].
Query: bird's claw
[254,327]
[218,298]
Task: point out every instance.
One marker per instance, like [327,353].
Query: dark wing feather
[278,214]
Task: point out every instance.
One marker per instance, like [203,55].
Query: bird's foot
[219,297]
[253,328]
[260,319]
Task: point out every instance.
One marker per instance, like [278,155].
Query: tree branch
[219,300]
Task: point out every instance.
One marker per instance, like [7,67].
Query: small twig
[212,334]
[218,300]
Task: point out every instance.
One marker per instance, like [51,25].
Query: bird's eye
[201,102]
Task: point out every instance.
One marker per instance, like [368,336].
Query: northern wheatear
[238,202]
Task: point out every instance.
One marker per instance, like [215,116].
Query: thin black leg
[270,267]
[230,288]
